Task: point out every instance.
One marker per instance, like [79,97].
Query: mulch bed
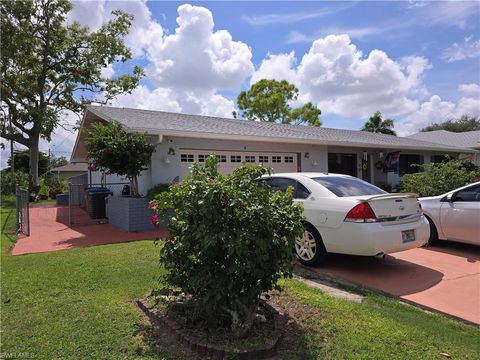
[218,344]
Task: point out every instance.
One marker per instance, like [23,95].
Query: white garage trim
[280,162]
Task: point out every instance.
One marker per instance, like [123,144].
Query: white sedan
[454,215]
[346,215]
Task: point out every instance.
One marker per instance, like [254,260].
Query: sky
[417,62]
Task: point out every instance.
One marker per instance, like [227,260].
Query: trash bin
[95,202]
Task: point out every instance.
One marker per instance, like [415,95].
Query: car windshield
[346,186]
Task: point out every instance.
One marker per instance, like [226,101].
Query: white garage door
[230,160]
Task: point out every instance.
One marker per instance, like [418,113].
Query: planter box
[130,213]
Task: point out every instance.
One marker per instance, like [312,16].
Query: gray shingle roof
[168,123]
[468,139]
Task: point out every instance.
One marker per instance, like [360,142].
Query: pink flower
[154,220]
[152,205]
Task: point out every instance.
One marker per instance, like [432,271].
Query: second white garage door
[230,160]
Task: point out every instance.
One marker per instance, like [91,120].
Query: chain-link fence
[23,211]
[86,202]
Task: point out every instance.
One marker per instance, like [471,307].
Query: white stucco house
[181,139]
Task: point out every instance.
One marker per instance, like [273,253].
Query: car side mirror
[448,198]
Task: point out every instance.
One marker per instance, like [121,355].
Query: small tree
[465,123]
[268,100]
[437,179]
[376,124]
[230,240]
[112,149]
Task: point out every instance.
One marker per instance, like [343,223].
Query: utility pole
[12,164]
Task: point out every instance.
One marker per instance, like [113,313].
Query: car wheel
[309,248]
[433,233]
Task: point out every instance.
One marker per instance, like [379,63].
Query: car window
[282,184]
[301,192]
[471,193]
[345,186]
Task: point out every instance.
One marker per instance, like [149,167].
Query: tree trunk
[33,164]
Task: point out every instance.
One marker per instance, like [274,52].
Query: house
[181,139]
[467,139]
[70,170]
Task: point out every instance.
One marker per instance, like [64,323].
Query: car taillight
[420,210]
[361,213]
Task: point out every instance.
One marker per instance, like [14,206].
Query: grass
[77,304]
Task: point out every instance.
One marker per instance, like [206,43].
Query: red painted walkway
[50,232]
[445,277]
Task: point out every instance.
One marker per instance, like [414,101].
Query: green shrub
[157,190]
[437,179]
[8,182]
[50,186]
[230,240]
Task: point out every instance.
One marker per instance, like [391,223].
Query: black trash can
[95,202]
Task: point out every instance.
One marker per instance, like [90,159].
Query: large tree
[465,123]
[269,100]
[376,124]
[49,66]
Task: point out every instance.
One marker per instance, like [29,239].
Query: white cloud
[190,66]
[468,49]
[436,110]
[469,89]
[88,13]
[336,76]
[353,33]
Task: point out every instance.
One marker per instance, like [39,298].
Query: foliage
[465,123]
[268,100]
[111,148]
[157,190]
[49,66]
[21,160]
[230,240]
[439,178]
[51,186]
[58,161]
[376,124]
[7,182]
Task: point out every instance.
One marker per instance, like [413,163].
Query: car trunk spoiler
[392,196]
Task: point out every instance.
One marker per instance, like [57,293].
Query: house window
[249,158]
[202,158]
[276,159]
[222,158]
[186,157]
[263,159]
[289,159]
[408,164]
[439,159]
[235,158]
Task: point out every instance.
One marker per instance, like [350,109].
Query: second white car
[347,215]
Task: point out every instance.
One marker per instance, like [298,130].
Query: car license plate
[408,235]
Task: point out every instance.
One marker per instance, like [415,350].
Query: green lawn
[76,304]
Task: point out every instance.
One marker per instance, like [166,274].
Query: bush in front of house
[439,178]
[229,241]
[157,190]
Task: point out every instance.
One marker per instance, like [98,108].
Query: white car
[454,215]
[346,215]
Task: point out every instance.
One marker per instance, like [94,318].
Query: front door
[340,163]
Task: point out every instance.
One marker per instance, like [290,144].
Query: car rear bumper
[371,239]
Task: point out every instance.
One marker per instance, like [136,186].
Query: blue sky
[416,62]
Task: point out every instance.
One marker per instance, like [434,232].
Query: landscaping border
[214,351]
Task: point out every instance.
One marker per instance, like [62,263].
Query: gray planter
[130,213]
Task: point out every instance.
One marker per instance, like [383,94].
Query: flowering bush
[230,240]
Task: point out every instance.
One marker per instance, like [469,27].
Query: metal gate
[23,214]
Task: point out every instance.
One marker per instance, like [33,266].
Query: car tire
[432,240]
[309,249]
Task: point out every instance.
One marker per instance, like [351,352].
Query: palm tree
[377,125]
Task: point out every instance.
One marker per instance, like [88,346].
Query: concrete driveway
[445,277]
